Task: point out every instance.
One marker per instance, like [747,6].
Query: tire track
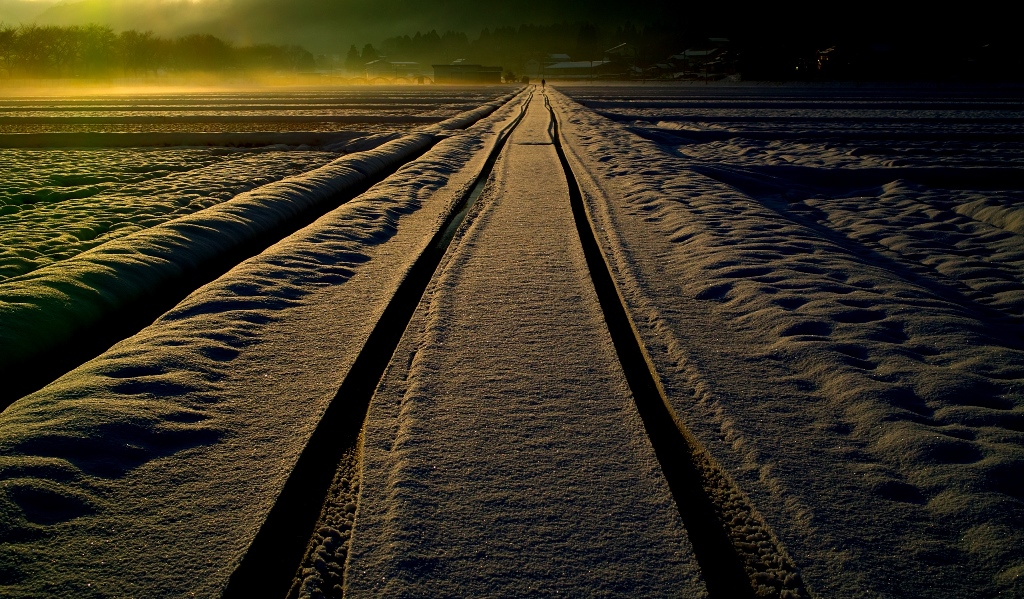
[274,564]
[34,372]
[738,554]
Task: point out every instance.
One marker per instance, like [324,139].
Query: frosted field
[835,299]
[209,112]
[58,202]
[824,287]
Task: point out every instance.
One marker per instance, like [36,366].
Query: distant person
[542,83]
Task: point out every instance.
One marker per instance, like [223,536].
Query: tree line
[97,51]
[513,47]
[778,52]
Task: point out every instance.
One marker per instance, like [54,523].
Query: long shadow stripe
[271,563]
[691,477]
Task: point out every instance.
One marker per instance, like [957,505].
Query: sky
[331,25]
[312,22]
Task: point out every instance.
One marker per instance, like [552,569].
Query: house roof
[695,54]
[576,64]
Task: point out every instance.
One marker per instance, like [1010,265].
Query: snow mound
[158,138]
[854,362]
[49,306]
[1005,215]
[164,454]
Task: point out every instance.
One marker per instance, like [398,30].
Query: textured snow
[286,110]
[148,470]
[839,329]
[850,352]
[503,455]
[58,203]
[45,307]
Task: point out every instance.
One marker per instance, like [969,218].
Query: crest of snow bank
[873,413]
[47,307]
[163,455]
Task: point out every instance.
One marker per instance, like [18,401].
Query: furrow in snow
[164,455]
[52,318]
[273,559]
[719,518]
[503,455]
[873,419]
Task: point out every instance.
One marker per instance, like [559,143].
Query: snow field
[853,360]
[287,111]
[163,455]
[47,306]
[59,203]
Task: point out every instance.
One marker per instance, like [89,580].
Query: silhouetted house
[466,73]
[584,69]
[623,57]
[694,57]
[624,53]
[706,63]
[387,69]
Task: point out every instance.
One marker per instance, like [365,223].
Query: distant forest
[759,54]
[756,53]
[96,51]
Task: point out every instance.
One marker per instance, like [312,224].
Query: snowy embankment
[148,470]
[56,205]
[47,307]
[854,363]
[176,138]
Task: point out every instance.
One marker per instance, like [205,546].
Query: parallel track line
[274,557]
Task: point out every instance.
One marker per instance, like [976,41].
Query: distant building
[625,53]
[387,69]
[466,73]
[694,56]
[704,63]
[584,69]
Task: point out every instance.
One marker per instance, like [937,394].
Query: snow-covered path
[503,453]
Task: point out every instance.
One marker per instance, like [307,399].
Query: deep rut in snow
[92,341]
[38,370]
[737,553]
[272,566]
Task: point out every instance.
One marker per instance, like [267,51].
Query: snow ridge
[45,308]
[873,414]
[164,454]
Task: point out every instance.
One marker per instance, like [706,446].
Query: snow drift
[163,455]
[47,307]
[852,359]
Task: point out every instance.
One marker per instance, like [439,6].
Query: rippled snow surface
[837,275]
[56,202]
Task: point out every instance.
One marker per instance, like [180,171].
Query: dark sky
[327,25]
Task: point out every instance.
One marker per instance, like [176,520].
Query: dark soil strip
[273,560]
[707,501]
[29,376]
